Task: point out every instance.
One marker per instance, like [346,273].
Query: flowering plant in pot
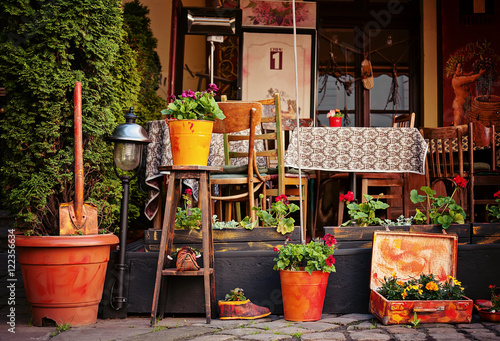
[278,215]
[494,210]
[489,310]
[187,217]
[363,214]
[236,306]
[304,271]
[441,210]
[190,120]
[335,117]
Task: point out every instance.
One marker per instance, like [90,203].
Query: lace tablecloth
[395,150]
[158,153]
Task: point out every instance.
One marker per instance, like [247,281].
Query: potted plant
[278,215]
[363,214]
[236,306]
[304,271]
[442,210]
[190,120]
[335,118]
[494,210]
[489,310]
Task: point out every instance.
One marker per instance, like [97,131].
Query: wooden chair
[445,157]
[485,172]
[283,180]
[238,183]
[395,183]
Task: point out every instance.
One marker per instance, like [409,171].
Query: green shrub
[46,47]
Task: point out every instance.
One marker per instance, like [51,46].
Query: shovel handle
[78,203]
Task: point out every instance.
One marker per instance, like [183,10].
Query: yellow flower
[400,283]
[420,292]
[432,286]
[404,294]
[457,282]
[393,275]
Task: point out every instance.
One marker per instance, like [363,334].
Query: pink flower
[188,191]
[189,93]
[347,197]
[212,87]
[330,260]
[283,198]
[461,182]
[275,249]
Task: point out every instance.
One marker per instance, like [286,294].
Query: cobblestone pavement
[348,327]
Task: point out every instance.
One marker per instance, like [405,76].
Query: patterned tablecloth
[395,150]
[158,153]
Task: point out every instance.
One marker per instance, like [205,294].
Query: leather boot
[246,310]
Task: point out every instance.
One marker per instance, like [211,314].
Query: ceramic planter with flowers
[190,120]
[304,271]
[335,118]
[489,310]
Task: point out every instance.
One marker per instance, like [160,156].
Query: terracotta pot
[487,316]
[63,276]
[335,121]
[190,141]
[303,294]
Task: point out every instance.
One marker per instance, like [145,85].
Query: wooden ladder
[175,177]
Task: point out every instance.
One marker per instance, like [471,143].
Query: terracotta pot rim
[66,241]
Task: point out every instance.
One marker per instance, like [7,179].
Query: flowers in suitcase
[426,287]
[494,210]
[443,211]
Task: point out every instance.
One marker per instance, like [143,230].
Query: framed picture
[277,14]
[268,66]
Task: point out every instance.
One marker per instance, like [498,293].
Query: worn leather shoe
[246,310]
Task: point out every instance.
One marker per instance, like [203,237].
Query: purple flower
[213,87]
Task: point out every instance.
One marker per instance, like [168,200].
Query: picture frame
[278,14]
[267,58]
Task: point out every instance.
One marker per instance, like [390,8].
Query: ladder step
[174,272]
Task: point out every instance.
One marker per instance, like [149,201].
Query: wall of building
[196,55]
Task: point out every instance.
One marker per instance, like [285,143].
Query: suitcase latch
[462,305]
[397,306]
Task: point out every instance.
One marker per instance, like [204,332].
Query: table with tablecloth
[158,153]
[357,149]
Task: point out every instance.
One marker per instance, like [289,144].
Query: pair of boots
[246,310]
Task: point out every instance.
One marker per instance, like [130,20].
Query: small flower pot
[190,141]
[335,121]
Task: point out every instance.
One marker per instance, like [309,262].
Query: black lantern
[129,138]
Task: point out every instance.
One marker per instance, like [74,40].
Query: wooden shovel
[77,217]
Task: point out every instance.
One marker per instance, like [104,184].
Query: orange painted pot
[303,294]
[335,121]
[190,141]
[63,276]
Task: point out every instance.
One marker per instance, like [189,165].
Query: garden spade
[77,217]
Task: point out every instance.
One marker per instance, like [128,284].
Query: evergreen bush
[46,47]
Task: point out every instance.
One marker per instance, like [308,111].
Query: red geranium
[347,197]
[497,195]
[329,239]
[461,182]
[330,260]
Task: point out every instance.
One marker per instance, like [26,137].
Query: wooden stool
[177,174]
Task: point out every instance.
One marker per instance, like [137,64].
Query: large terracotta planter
[303,294]
[190,141]
[63,276]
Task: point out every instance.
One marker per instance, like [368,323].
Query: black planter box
[239,239]
[485,233]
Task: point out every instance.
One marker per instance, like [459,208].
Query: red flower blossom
[283,198]
[347,197]
[329,239]
[461,182]
[275,249]
[188,191]
[330,260]
[497,195]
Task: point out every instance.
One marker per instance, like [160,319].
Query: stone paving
[349,327]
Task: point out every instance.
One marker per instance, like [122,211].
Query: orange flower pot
[190,141]
[303,294]
[63,276]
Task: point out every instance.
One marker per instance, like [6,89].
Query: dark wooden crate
[485,233]
[362,237]
[240,239]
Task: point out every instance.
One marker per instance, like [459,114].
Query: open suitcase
[408,255]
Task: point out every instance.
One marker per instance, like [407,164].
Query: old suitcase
[408,255]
